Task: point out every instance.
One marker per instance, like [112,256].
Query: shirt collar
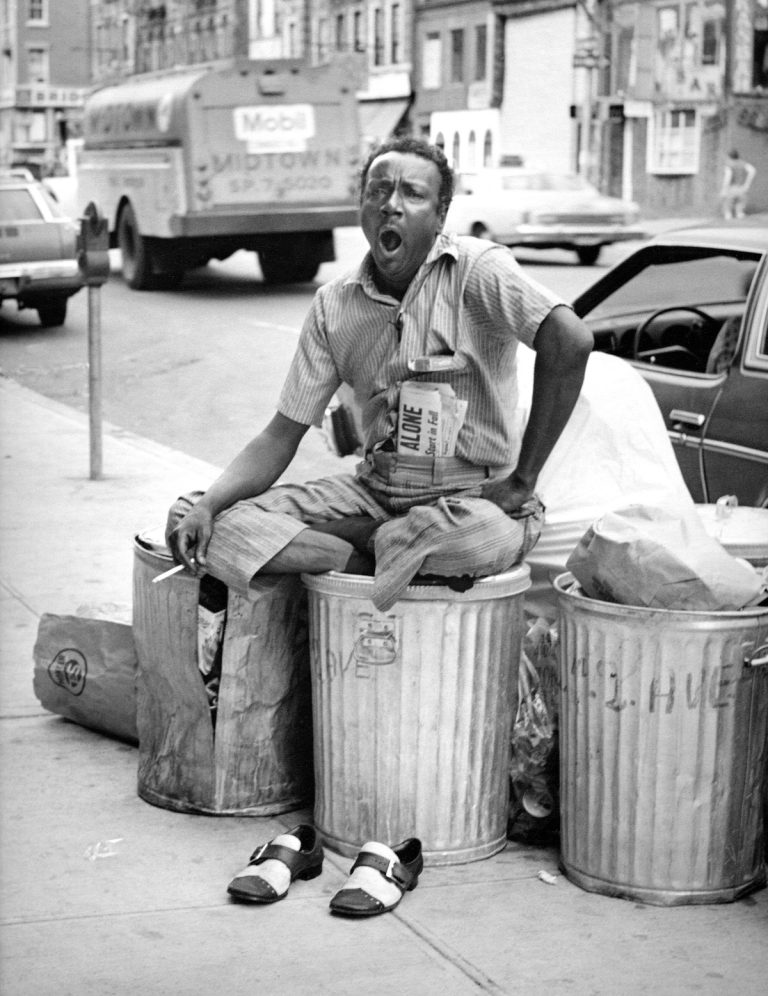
[444,245]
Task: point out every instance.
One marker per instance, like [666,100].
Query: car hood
[576,201]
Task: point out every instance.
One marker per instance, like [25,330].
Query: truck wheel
[167,280]
[137,258]
[588,254]
[53,312]
[277,268]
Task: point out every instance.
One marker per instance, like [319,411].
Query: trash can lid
[741,529]
[154,540]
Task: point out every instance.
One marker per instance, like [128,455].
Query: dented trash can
[663,741]
[412,713]
[252,756]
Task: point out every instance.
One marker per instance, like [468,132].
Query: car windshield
[17,204]
[709,280]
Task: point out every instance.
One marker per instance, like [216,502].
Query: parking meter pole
[94,381]
[93,260]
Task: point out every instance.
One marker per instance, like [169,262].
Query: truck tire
[135,252]
[279,268]
[588,254]
[52,312]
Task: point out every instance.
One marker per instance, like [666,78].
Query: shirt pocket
[442,347]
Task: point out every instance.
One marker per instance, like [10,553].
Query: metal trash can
[412,712]
[663,726]
[257,759]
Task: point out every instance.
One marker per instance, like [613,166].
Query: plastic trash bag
[534,758]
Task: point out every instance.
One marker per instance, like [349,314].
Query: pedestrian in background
[737,180]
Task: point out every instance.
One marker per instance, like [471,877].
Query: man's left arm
[562,344]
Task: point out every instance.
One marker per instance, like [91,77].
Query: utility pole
[241,39]
[588,55]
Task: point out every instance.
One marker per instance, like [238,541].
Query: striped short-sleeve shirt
[470,300]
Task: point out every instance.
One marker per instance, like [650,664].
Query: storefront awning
[379,118]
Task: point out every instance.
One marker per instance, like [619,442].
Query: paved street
[200,368]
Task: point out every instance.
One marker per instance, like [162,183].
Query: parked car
[689,310]
[38,248]
[541,210]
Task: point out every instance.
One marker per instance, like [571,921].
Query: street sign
[586,54]
[583,60]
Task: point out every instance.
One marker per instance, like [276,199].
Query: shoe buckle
[389,873]
[257,854]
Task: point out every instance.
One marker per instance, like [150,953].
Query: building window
[440,140]
[711,34]
[472,151]
[293,40]
[481,50]
[488,149]
[456,150]
[323,37]
[29,128]
[690,35]
[457,55]
[341,42]
[37,11]
[395,54]
[37,65]
[760,46]
[674,145]
[378,37]
[357,31]
[431,60]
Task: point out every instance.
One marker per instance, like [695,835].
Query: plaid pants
[433,521]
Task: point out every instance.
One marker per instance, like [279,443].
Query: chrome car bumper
[16,278]
[574,235]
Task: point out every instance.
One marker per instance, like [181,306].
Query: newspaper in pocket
[429,419]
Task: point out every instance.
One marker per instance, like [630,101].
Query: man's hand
[511,495]
[188,539]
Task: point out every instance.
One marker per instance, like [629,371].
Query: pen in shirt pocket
[435,364]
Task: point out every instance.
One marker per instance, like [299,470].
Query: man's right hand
[189,537]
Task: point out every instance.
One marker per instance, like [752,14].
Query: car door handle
[693,420]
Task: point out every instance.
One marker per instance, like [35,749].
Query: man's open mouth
[390,240]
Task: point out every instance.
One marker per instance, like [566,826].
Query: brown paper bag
[85,670]
[661,558]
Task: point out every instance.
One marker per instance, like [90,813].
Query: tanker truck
[196,164]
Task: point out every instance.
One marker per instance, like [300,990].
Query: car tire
[167,280]
[135,252]
[277,268]
[588,255]
[53,313]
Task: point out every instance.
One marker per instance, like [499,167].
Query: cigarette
[168,573]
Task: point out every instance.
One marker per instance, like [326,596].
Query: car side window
[673,312]
[711,279]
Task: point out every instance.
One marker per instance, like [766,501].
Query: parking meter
[93,261]
[93,247]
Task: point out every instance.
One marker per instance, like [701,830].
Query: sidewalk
[153,917]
